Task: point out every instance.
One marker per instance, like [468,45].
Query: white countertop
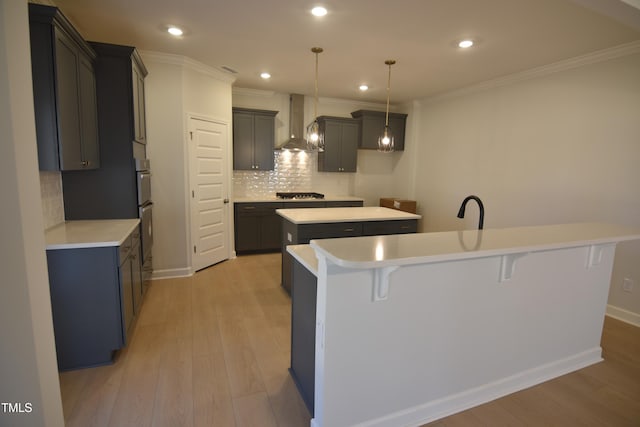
[276,199]
[325,215]
[420,248]
[306,256]
[89,233]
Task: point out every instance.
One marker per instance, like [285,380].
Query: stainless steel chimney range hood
[296,141]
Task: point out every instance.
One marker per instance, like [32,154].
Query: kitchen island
[412,328]
[301,225]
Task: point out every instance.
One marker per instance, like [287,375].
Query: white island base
[412,328]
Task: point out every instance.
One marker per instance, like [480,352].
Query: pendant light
[385,140]
[315,139]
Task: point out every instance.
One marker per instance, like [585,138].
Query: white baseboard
[623,315]
[449,405]
[171,273]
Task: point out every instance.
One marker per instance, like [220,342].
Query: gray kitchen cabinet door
[349,147]
[243,132]
[264,137]
[88,114]
[340,144]
[253,139]
[64,92]
[139,109]
[136,272]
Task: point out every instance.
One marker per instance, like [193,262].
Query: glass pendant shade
[315,139]
[386,141]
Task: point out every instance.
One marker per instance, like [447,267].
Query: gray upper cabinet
[253,139]
[371,125]
[340,144]
[64,92]
[138,73]
[111,191]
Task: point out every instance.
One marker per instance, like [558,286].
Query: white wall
[556,148]
[28,369]
[175,87]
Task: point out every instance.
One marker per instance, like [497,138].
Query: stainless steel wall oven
[145,207]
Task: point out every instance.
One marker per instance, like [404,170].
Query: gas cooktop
[300,195]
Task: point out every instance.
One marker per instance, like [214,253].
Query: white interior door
[209,203]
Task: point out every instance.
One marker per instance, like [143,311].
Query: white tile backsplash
[52,200]
[293,171]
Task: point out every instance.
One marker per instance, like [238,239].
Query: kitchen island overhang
[412,328]
[300,226]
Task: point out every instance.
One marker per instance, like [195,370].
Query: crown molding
[352,102]
[253,92]
[545,70]
[183,61]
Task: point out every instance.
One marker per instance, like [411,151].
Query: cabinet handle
[348,229]
[249,207]
[85,163]
[404,227]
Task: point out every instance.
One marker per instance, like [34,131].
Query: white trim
[252,92]
[352,102]
[167,58]
[545,70]
[623,315]
[171,273]
[434,410]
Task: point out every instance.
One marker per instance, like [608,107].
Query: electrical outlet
[627,284]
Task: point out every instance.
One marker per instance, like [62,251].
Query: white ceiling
[252,36]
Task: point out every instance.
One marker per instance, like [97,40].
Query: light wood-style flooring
[213,350]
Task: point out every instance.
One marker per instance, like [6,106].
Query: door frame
[228,211]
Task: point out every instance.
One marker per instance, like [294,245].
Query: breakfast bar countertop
[409,249]
[89,233]
[326,215]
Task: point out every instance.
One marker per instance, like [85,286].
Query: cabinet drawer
[304,204]
[345,204]
[374,228]
[125,249]
[329,230]
[257,209]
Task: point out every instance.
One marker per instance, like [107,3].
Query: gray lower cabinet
[371,126]
[95,295]
[258,227]
[253,139]
[64,92]
[340,144]
[299,234]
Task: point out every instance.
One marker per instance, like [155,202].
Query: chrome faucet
[480,205]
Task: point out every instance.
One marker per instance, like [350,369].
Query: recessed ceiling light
[318,11]
[363,88]
[265,75]
[465,44]
[175,31]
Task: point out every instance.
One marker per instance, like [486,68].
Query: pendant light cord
[316,50]
[389,62]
